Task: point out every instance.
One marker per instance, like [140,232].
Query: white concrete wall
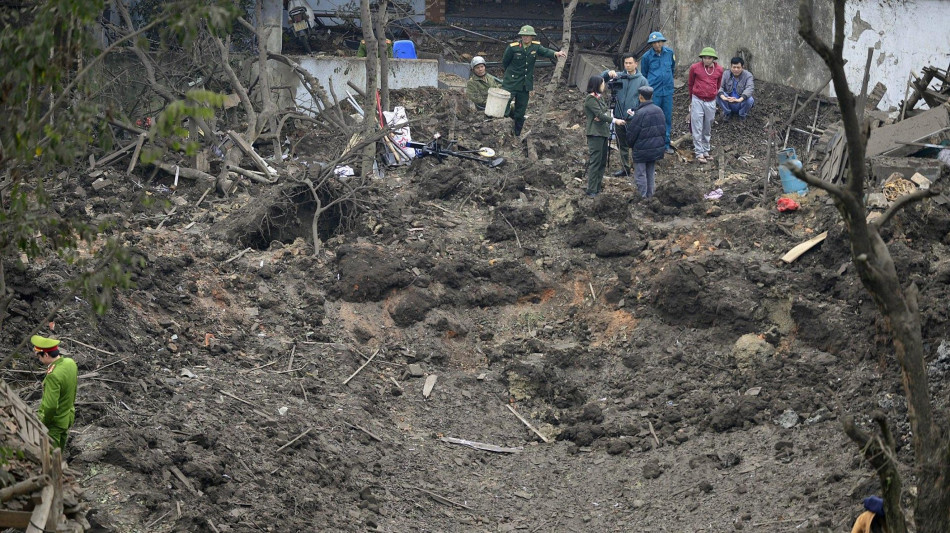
[906,35]
[336,71]
[418,8]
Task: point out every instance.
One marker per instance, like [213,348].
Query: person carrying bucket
[519,61]
[478,85]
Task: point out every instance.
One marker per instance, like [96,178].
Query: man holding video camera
[623,88]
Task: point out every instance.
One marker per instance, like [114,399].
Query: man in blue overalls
[657,65]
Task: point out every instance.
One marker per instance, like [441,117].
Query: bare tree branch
[95,61]
[899,307]
[880,452]
[903,202]
[369,107]
[163,91]
[223,49]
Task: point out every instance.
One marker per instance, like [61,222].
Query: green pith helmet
[709,51]
[527,30]
[43,343]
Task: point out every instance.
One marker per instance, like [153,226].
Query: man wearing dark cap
[646,134]
[658,65]
[58,408]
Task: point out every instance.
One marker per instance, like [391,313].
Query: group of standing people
[644,108]
[644,111]
[642,117]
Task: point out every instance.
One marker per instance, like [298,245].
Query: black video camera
[616,84]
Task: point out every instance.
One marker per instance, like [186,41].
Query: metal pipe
[477,34]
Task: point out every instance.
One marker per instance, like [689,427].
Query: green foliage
[9,453]
[50,120]
[41,47]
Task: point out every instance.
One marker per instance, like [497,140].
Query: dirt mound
[366,272]
[674,371]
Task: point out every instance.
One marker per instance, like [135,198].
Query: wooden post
[56,480]
[863,98]
[42,511]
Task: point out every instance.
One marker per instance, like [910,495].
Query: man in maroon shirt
[704,79]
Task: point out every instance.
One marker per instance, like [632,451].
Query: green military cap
[44,344]
[527,30]
[709,52]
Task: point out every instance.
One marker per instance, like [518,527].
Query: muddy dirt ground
[686,378]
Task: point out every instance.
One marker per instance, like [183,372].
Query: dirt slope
[687,378]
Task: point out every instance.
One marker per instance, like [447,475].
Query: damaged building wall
[763,31]
[906,36]
[909,34]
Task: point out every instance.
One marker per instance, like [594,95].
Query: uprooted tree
[898,304]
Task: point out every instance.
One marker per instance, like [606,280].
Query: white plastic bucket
[497,102]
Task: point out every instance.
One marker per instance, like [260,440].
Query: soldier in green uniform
[519,61]
[58,407]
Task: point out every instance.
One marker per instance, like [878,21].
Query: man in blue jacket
[624,86]
[645,135]
[657,64]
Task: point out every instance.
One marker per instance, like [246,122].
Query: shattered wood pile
[33,495]
[905,144]
[920,89]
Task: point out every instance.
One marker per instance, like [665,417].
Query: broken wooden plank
[430,383]
[293,440]
[797,251]
[27,486]
[877,94]
[918,128]
[136,152]
[245,402]
[481,445]
[15,519]
[113,156]
[525,422]
[249,151]
[202,163]
[183,478]
[364,430]
[863,97]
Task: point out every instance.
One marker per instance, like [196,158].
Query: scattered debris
[429,384]
[481,446]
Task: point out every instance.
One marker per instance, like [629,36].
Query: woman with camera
[598,114]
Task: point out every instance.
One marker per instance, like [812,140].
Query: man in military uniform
[479,83]
[58,407]
[519,61]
